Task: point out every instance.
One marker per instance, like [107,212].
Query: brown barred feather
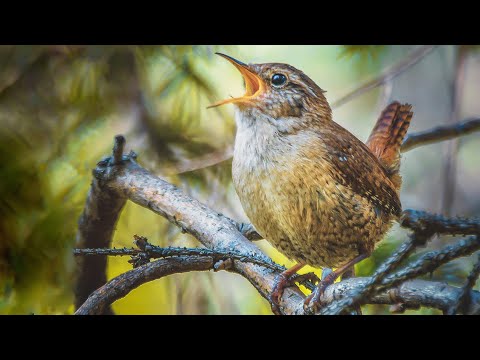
[387,136]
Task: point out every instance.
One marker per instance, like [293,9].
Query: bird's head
[279,92]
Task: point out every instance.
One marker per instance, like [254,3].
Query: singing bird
[310,187]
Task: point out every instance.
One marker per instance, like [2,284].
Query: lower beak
[254,85]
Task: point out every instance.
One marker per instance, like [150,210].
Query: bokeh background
[60,107]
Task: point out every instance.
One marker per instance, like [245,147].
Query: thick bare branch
[95,230]
[412,294]
[441,133]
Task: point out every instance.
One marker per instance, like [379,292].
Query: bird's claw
[313,303]
[281,282]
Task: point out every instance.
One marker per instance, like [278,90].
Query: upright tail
[387,136]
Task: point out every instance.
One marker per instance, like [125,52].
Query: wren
[311,188]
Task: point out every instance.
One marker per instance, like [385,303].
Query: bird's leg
[281,282]
[312,302]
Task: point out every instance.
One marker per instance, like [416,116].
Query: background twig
[440,133]
[386,75]
[451,147]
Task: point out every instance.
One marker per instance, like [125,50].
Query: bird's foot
[283,280]
[313,302]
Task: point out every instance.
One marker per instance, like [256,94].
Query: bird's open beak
[254,85]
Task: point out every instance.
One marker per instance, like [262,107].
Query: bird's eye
[279,79]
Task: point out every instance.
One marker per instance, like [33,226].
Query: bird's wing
[352,164]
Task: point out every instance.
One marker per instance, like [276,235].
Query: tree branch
[120,286]
[440,133]
[413,293]
[156,252]
[431,261]
[95,230]
[423,222]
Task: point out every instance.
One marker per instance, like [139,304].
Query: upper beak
[254,85]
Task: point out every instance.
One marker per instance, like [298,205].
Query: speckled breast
[305,214]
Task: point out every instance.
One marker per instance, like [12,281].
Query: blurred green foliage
[60,107]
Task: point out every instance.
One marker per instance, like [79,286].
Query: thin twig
[386,75]
[465,295]
[156,252]
[383,278]
[440,133]
[203,161]
[431,261]
[421,221]
[118,148]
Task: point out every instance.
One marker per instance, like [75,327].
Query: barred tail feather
[387,136]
